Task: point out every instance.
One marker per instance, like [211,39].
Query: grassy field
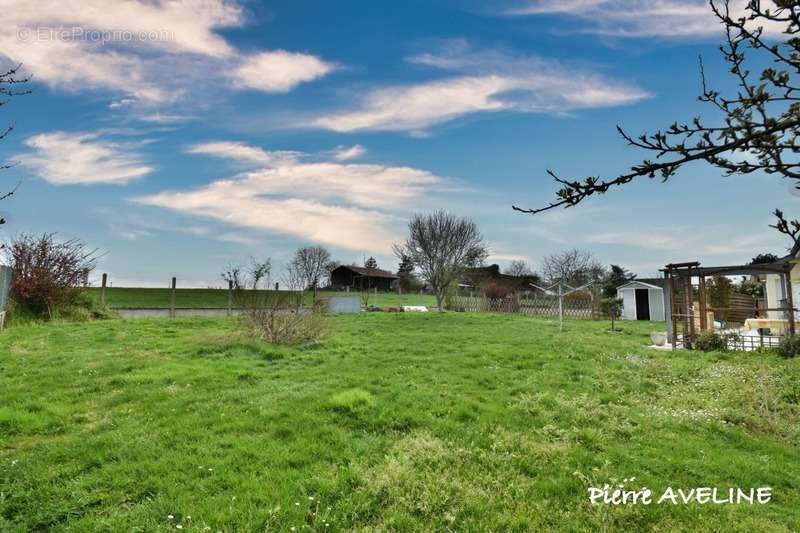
[399,422]
[138,297]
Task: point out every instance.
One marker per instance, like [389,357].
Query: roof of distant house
[368,272]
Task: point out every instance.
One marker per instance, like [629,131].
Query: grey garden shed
[643,299]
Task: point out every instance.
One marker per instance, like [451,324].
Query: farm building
[349,277]
[643,299]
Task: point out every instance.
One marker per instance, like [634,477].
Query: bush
[288,327]
[789,346]
[611,308]
[84,307]
[711,341]
[495,290]
[276,317]
[48,276]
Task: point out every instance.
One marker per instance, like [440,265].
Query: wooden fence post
[172,299]
[704,325]
[103,289]
[790,302]
[230,297]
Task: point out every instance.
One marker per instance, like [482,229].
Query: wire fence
[739,342]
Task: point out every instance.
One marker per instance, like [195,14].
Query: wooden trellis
[525,304]
[680,289]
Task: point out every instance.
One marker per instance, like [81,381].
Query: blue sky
[180,137]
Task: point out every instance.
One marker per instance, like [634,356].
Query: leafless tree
[10,80]
[758,127]
[519,268]
[573,267]
[232,275]
[309,266]
[442,246]
[250,284]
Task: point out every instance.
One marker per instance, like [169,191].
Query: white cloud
[150,52]
[350,206]
[63,158]
[537,7]
[187,26]
[136,228]
[418,106]
[488,82]
[640,18]
[365,185]
[346,153]
[507,256]
[279,71]
[345,227]
[164,118]
[239,151]
[675,241]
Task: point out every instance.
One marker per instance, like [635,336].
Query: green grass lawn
[399,422]
[138,297]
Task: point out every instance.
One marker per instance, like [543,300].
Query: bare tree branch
[759,129]
[9,80]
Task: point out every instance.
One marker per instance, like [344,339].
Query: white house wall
[774,293]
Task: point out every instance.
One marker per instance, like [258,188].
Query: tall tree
[10,80]
[519,268]
[309,266]
[758,127]
[572,267]
[761,259]
[442,246]
[371,263]
[405,274]
[615,277]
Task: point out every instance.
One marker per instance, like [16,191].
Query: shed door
[642,304]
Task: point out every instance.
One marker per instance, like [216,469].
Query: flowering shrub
[48,275]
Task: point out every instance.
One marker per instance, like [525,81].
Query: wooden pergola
[680,297]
